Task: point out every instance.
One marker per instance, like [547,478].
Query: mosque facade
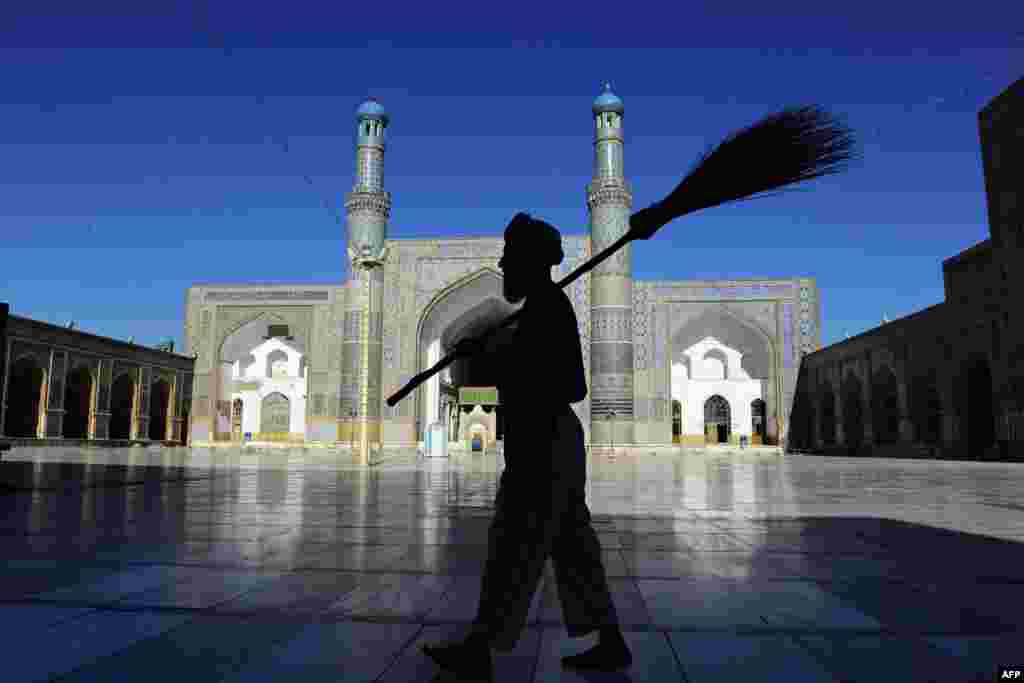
[684,362]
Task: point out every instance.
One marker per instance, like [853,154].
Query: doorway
[717,419]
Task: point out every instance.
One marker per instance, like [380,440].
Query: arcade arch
[885,420]
[927,407]
[122,406]
[465,309]
[853,411]
[981,428]
[828,414]
[79,392]
[159,401]
[25,398]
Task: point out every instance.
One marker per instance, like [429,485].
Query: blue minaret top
[372,109]
[608,102]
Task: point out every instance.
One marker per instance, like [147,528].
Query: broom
[782,149]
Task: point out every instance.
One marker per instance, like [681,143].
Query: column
[840,427]
[53,427]
[869,436]
[902,377]
[101,428]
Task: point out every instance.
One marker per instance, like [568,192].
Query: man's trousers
[540,513]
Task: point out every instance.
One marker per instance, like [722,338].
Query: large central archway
[465,309]
[237,347]
[719,349]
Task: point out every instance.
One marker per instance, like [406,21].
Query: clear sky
[149,146]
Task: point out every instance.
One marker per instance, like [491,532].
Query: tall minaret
[368,207]
[611,283]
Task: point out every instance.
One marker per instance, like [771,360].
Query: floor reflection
[301,562]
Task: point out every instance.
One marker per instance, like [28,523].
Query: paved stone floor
[130,566]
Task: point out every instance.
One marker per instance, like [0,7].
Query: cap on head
[534,236]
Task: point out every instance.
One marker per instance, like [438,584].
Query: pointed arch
[720,318]
[275,414]
[760,352]
[827,398]
[853,410]
[885,418]
[235,327]
[79,402]
[26,393]
[431,308]
[122,405]
[159,409]
[449,305]
[980,405]
[717,419]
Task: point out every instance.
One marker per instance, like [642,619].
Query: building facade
[407,301]
[66,385]
[947,381]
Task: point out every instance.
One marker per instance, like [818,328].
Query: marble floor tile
[868,658]
[288,566]
[29,618]
[725,603]
[200,591]
[803,542]
[33,656]
[412,666]
[114,585]
[366,558]
[407,596]
[349,652]
[447,559]
[654,564]
[630,606]
[205,649]
[826,567]
[980,655]
[901,607]
[304,593]
[18,584]
[713,657]
[462,598]
[653,661]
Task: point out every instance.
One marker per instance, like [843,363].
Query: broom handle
[564,282]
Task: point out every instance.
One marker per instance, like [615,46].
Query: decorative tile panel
[788,352]
[642,310]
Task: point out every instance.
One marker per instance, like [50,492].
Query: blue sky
[146,147]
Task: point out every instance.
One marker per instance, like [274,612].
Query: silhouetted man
[540,510]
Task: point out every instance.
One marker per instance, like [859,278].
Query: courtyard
[299,565]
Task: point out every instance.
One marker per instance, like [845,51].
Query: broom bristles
[782,149]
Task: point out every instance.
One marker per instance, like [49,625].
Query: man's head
[532,247]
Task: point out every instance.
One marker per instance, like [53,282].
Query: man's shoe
[465,661]
[601,657]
